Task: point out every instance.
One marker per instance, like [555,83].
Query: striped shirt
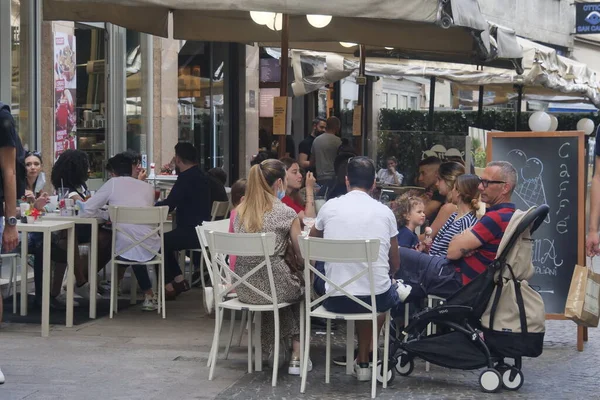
[454,226]
[489,230]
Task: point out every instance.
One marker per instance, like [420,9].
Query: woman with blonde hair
[262,211]
[465,196]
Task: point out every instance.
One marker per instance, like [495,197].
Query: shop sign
[587,18]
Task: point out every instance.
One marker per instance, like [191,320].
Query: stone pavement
[139,356]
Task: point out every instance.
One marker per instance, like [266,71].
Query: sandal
[181,287]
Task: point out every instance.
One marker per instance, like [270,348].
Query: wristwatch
[11,221]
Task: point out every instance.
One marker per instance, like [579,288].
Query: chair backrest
[220,209]
[216,226]
[242,244]
[152,216]
[340,252]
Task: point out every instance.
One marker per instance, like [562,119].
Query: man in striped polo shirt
[475,249]
[471,252]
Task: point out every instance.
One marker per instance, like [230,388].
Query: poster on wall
[65,85]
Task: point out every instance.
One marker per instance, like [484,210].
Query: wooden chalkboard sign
[550,170]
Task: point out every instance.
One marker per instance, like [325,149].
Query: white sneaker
[62,299]
[403,290]
[1,378]
[83,290]
[150,303]
[362,372]
[294,367]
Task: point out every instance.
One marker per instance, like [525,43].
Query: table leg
[70,275]
[94,272]
[24,267]
[46,286]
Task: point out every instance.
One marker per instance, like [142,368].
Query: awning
[447,29]
[544,73]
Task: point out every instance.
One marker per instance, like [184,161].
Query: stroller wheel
[390,374]
[407,369]
[490,381]
[516,382]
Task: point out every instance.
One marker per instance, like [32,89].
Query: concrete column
[249,129]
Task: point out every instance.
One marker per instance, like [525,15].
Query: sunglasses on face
[485,182]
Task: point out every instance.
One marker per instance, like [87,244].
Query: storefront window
[91,96]
[203,101]
[136,138]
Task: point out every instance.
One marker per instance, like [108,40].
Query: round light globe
[554,123]
[319,21]
[586,125]
[348,44]
[261,17]
[539,121]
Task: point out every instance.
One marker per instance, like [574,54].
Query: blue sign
[587,18]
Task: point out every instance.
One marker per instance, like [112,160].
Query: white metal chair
[153,216]
[220,209]
[12,281]
[249,244]
[343,252]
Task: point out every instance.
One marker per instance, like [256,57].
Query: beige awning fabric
[426,28]
[544,73]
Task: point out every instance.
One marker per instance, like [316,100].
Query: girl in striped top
[465,195]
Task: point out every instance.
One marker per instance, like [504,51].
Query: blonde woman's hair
[259,193]
[467,187]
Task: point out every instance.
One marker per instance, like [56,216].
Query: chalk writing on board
[545,258]
[530,185]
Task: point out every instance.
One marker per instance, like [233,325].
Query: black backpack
[7,120]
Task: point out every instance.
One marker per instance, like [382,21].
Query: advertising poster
[65,84]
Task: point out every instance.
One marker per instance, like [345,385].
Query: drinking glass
[309,222]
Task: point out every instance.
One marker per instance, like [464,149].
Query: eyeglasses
[485,182]
[33,153]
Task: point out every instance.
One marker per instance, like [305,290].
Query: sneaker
[2,379]
[403,290]
[61,299]
[83,290]
[294,367]
[362,372]
[150,303]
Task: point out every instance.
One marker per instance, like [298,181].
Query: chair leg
[162,289]
[429,305]
[113,287]
[328,352]
[306,349]
[13,282]
[386,348]
[375,351]
[258,359]
[276,350]
[242,327]
[349,347]
[231,326]
[202,271]
[215,345]
[301,336]
[250,342]
[406,317]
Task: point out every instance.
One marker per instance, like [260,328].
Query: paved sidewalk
[139,356]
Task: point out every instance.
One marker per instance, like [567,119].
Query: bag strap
[495,304]
[520,302]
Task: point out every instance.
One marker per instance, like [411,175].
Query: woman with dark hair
[262,211]
[465,196]
[36,179]
[292,197]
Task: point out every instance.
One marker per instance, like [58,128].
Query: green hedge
[458,122]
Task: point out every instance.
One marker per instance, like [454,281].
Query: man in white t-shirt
[125,190]
[356,215]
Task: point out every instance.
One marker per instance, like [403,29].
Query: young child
[410,213]
[238,190]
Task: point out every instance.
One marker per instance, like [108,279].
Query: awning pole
[480,108]
[518,112]
[361,98]
[431,104]
[284,61]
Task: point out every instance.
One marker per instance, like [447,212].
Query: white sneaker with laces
[150,303]
[403,290]
[2,379]
[83,290]
[362,371]
[62,299]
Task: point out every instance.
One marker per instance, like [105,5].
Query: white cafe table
[93,274]
[46,227]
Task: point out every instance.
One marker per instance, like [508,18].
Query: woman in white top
[390,176]
[124,190]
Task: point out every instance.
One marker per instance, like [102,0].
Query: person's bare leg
[365,337]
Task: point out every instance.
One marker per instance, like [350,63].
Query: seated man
[191,197]
[125,190]
[356,215]
[471,252]
[428,178]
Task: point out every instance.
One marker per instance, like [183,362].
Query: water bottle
[152,174]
